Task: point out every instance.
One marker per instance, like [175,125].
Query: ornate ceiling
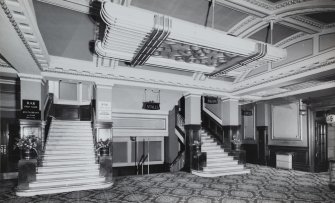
[74,26]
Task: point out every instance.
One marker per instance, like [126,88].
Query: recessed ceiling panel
[324,17]
[280,32]
[65,32]
[193,11]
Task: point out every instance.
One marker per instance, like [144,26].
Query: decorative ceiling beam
[138,77]
[138,36]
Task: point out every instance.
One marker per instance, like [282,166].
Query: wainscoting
[300,158]
[251,153]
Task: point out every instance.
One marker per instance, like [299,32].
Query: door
[320,144]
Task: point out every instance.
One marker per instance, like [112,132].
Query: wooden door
[320,144]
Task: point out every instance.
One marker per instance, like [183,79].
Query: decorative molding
[243,25]
[308,21]
[307,66]
[292,39]
[38,52]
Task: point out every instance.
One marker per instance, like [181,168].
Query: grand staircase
[68,162]
[219,163]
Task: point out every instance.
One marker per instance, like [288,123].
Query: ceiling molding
[322,86]
[292,39]
[304,68]
[128,76]
[22,17]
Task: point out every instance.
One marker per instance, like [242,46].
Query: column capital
[229,99]
[31,77]
[104,85]
[192,94]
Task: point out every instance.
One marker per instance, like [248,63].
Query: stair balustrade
[179,162]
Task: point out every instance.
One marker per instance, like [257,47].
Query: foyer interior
[208,90]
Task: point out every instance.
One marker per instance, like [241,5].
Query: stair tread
[53,190]
[57,180]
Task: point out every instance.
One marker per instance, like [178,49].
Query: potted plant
[103,146]
[237,142]
[27,144]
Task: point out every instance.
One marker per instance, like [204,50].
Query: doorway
[320,146]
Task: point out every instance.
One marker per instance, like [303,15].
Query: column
[230,122]
[33,90]
[262,127]
[192,126]
[103,127]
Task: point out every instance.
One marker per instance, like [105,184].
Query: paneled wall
[288,126]
[331,142]
[9,126]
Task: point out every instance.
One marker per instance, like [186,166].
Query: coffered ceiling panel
[65,32]
[280,32]
[323,17]
[194,11]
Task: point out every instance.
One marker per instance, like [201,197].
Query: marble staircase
[69,161]
[219,163]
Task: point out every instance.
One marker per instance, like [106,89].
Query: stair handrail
[47,113]
[141,162]
[180,122]
[179,161]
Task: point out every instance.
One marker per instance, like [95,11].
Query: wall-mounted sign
[211,100]
[104,110]
[151,105]
[30,110]
[247,112]
[330,119]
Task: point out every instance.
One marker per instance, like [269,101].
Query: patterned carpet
[264,184]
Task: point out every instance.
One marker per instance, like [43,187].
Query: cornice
[293,38]
[19,32]
[303,67]
[38,53]
[308,21]
[116,78]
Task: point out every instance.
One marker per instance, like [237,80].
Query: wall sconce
[302,107]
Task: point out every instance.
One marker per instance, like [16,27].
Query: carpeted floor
[264,184]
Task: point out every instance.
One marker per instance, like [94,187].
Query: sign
[151,105]
[211,100]
[330,119]
[246,112]
[104,110]
[30,110]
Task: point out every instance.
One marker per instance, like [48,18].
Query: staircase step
[226,168]
[66,182]
[221,163]
[64,175]
[69,151]
[213,151]
[223,166]
[70,142]
[70,133]
[68,147]
[69,163]
[65,139]
[48,157]
[43,191]
[218,159]
[220,173]
[67,168]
